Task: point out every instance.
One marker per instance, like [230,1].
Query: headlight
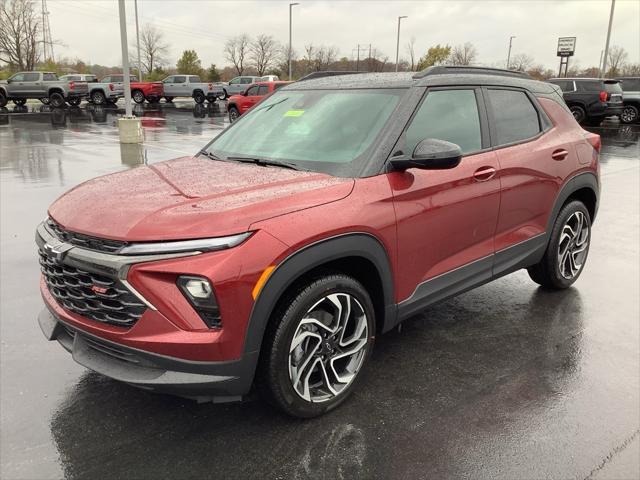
[200,245]
[199,293]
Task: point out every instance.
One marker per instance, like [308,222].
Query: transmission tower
[47,41]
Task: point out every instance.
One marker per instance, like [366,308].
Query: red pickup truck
[140,91]
[255,93]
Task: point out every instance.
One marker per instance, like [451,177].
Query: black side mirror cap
[430,154]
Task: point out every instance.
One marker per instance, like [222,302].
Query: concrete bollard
[130,130]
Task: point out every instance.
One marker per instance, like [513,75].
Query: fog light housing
[199,292]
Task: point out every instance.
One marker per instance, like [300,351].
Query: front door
[446,219]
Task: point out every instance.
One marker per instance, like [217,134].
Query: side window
[252,91]
[589,85]
[194,79]
[235,81]
[168,80]
[31,77]
[514,115]
[117,78]
[246,80]
[565,85]
[278,85]
[18,77]
[263,90]
[106,79]
[450,115]
[179,79]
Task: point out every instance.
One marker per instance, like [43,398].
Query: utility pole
[358,60]
[47,41]
[135,2]
[291,5]
[606,45]
[398,41]
[600,74]
[509,54]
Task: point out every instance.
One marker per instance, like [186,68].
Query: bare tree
[20,27]
[236,51]
[464,54]
[263,53]
[617,58]
[153,49]
[411,50]
[521,62]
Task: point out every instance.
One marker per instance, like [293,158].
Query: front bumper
[201,381]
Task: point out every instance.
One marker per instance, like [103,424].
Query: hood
[191,198]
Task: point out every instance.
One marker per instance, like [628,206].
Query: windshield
[328,131]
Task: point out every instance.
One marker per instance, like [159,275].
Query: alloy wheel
[573,244]
[328,347]
[629,114]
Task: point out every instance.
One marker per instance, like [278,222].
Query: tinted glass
[246,80]
[450,115]
[179,79]
[194,79]
[589,85]
[168,80]
[251,91]
[106,79]
[117,78]
[631,85]
[31,77]
[328,131]
[612,87]
[263,90]
[514,115]
[565,85]
[50,77]
[278,85]
[18,77]
[234,81]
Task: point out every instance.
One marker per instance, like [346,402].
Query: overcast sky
[89,29]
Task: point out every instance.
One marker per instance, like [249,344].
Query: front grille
[85,241]
[91,295]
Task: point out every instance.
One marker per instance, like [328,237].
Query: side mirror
[430,154]
[9,80]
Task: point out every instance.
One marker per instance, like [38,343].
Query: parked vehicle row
[100,92]
[591,99]
[41,85]
[191,86]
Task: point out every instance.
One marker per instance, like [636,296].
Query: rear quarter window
[631,85]
[589,85]
[612,87]
[515,117]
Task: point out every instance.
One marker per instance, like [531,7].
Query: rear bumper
[612,110]
[201,381]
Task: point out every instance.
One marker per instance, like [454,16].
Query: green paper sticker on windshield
[294,113]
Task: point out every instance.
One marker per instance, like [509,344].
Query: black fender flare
[575,183]
[304,260]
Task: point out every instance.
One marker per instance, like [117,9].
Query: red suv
[238,104]
[334,210]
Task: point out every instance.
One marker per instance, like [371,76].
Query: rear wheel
[233,114]
[568,248]
[199,97]
[629,114]
[316,346]
[74,102]
[98,97]
[56,100]
[578,113]
[137,96]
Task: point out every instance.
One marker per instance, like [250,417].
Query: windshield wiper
[263,162]
[208,154]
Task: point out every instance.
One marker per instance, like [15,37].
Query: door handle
[560,154]
[484,173]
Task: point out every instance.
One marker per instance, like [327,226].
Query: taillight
[210,86]
[111,87]
[603,96]
[72,85]
[594,140]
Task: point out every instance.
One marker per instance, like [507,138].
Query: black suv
[591,99]
[631,89]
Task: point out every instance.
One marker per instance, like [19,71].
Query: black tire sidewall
[137,96]
[56,100]
[635,119]
[582,113]
[98,98]
[232,119]
[285,395]
[199,97]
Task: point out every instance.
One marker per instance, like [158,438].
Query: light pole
[129,126]
[135,2]
[291,5]
[509,54]
[398,41]
[606,45]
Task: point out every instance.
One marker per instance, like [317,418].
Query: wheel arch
[55,90]
[360,255]
[583,187]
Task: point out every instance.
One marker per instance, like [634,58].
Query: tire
[153,99]
[233,114]
[199,97]
[224,95]
[573,237]
[98,97]
[629,114]
[290,323]
[74,102]
[579,113]
[137,96]
[3,99]
[56,100]
[19,101]
[44,100]
[168,99]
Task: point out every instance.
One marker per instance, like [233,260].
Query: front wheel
[20,101]
[316,346]
[137,96]
[567,250]
[629,114]
[233,114]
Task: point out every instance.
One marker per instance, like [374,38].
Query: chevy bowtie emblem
[57,251]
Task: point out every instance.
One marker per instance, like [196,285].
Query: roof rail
[327,73]
[465,69]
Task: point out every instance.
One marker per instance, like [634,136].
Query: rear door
[181,87]
[532,159]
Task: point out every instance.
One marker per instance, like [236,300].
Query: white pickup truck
[99,93]
[191,86]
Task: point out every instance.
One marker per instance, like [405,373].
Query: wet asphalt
[506,381]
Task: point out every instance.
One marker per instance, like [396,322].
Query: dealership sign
[566,46]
